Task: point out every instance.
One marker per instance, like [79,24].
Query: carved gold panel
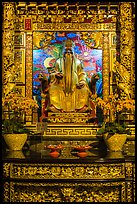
[21,89]
[8,22]
[6,192]
[75,26]
[20,39]
[19,61]
[65,171]
[106,64]
[126,45]
[129,191]
[29,64]
[66,192]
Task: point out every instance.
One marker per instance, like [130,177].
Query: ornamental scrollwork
[29,69]
[92,40]
[123,79]
[8,47]
[69,12]
[75,26]
[71,192]
[9,78]
[19,64]
[6,169]
[129,170]
[126,44]
[106,58]
[129,192]
[6,192]
[42,39]
[67,171]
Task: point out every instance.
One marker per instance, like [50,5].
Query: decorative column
[126,44]
[106,64]
[8,68]
[126,54]
[126,34]
[29,68]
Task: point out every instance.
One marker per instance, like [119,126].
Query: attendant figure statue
[44,95]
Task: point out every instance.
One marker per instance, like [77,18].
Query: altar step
[74,118]
[70,132]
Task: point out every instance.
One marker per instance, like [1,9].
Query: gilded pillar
[29,68]
[8,69]
[126,44]
[133,59]
[106,65]
[105,71]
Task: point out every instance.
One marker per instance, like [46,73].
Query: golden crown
[68,43]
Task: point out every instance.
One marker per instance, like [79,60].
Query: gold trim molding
[75,26]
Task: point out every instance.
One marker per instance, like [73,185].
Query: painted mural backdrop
[43,57]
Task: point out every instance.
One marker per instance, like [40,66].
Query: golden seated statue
[68,90]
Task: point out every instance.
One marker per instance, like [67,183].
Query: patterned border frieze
[67,171]
[106,64]
[29,55]
[70,131]
[6,192]
[129,170]
[76,26]
[129,192]
[6,169]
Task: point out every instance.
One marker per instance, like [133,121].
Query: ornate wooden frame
[67,17]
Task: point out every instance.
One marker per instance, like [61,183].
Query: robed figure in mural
[68,89]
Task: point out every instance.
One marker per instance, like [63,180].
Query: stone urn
[15,141]
[115,142]
[18,154]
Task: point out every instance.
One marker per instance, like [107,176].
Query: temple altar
[34,176]
[67,58]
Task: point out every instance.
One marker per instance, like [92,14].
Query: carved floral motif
[126,45]
[67,171]
[71,192]
[106,64]
[8,47]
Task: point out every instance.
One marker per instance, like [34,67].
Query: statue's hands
[80,85]
[59,75]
